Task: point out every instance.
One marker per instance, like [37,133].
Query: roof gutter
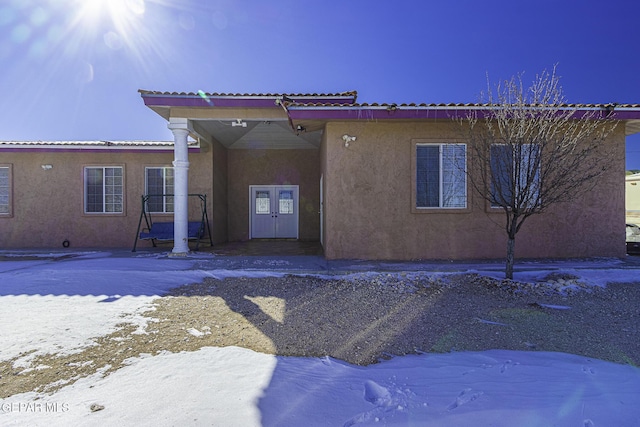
[392,111]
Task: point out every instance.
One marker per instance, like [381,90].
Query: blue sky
[71,69]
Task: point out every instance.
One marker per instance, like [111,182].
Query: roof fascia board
[391,112]
[258,101]
[91,146]
[67,149]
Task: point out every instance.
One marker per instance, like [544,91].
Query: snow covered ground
[55,303]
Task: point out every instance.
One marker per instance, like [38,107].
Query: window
[263,202]
[441,179]
[515,171]
[103,187]
[5,190]
[159,181]
[286,202]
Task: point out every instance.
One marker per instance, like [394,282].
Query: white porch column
[180,129]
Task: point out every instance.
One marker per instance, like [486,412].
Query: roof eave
[92,146]
[415,112]
[209,100]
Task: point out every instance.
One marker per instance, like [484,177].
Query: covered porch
[266,171]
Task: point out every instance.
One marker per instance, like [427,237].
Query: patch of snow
[555,307]
[54,304]
[239,387]
[197,333]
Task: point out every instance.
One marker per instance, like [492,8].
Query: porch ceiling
[259,134]
[633,126]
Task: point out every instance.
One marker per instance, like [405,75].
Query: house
[296,166]
[632,198]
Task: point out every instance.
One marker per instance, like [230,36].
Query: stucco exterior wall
[368,205]
[273,167]
[323,204]
[48,205]
[219,214]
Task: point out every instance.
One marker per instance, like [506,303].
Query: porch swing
[163,231]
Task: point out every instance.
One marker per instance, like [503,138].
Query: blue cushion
[164,231]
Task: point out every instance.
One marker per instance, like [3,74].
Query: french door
[273,211]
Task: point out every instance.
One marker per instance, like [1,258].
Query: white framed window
[159,181]
[515,175]
[103,189]
[5,190]
[440,176]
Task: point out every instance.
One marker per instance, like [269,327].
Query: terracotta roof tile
[101,142]
[300,102]
[444,105]
[246,95]
[94,144]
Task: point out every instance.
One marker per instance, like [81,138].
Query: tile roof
[353,94]
[236,100]
[99,145]
[384,111]
[343,105]
[448,105]
[90,143]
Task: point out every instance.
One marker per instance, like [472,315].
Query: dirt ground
[361,321]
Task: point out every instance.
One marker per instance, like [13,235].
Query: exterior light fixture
[347,139]
[46,167]
[239,122]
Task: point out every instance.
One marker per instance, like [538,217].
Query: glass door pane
[263,202]
[285,202]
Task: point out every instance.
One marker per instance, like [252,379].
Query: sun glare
[121,14]
[117,24]
[116,10]
[87,39]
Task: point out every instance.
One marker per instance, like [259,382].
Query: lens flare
[204,96]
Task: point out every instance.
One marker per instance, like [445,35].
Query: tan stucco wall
[367,200]
[368,205]
[273,167]
[323,175]
[48,205]
[219,216]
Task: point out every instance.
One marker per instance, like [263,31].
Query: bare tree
[529,149]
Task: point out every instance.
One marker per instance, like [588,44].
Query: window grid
[263,202]
[103,190]
[441,176]
[515,172]
[285,200]
[160,180]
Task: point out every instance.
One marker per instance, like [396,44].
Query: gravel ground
[362,320]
